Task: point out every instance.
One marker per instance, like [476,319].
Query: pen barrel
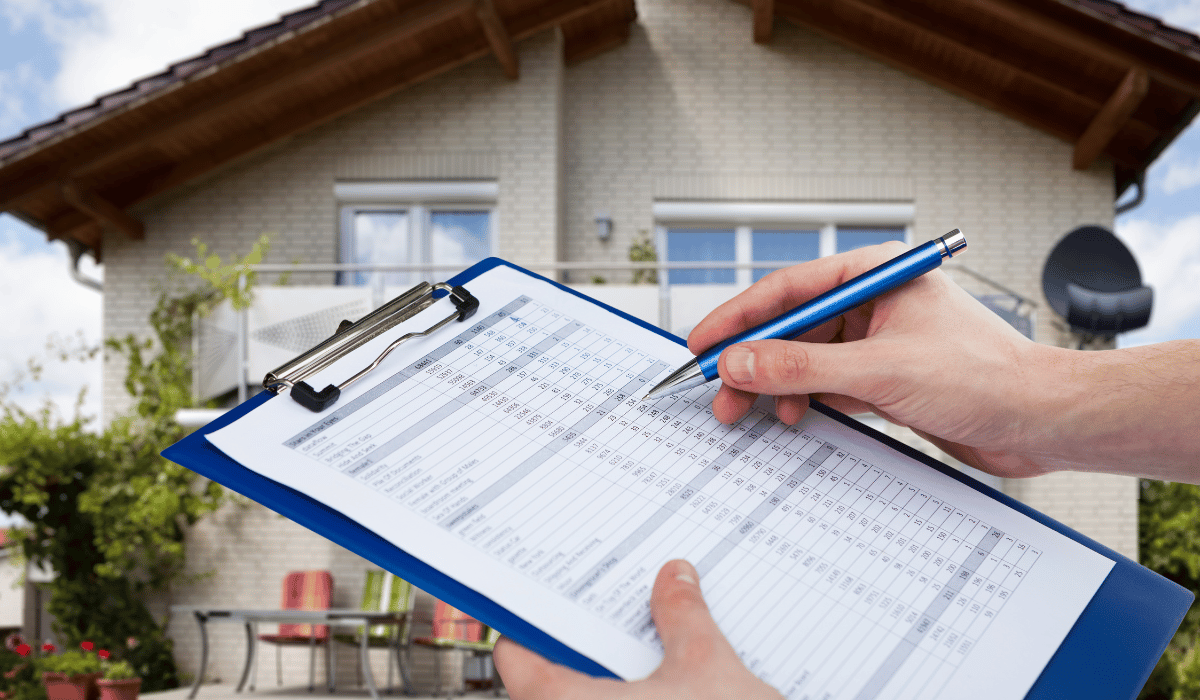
[839,300]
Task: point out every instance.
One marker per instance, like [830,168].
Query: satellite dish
[1092,281]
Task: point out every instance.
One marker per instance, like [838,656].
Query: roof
[1112,81]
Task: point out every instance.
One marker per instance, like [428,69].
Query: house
[559,132]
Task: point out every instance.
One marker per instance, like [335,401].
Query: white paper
[514,454]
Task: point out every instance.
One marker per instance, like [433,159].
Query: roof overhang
[79,174]
[1112,82]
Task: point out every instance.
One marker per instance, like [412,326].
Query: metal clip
[352,336]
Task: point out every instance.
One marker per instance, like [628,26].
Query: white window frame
[419,199]
[747,216]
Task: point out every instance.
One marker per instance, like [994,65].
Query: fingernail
[739,364]
[687,573]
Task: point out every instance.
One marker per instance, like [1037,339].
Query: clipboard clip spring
[350,336]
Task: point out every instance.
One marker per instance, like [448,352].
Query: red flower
[23,649]
[102,654]
[11,674]
[87,646]
[49,647]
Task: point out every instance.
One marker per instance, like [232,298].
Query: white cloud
[46,302]
[1184,14]
[104,45]
[1180,176]
[1169,257]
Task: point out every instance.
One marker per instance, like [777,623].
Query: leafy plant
[106,512]
[1168,520]
[642,250]
[22,679]
[71,663]
[119,671]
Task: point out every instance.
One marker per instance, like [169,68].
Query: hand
[698,663]
[927,356]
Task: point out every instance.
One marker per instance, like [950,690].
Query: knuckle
[791,364]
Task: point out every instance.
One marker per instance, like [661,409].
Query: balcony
[234,350]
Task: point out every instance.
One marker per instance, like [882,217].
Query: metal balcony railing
[235,349]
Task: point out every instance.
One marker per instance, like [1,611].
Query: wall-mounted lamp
[604,225]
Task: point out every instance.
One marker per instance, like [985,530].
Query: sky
[60,54]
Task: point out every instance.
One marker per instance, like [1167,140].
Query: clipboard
[1109,652]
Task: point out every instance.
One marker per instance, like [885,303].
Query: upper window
[772,232]
[852,237]
[432,223]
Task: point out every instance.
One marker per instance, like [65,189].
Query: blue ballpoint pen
[825,307]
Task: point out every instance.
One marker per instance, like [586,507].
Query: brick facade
[690,108]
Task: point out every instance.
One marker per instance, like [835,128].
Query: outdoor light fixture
[604,225]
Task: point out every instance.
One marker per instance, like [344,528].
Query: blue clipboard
[1109,653]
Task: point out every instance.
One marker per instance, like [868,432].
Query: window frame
[745,217]
[419,200]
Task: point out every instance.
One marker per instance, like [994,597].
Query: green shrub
[70,663]
[106,512]
[119,671]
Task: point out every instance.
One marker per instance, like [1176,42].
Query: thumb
[692,642]
[856,369]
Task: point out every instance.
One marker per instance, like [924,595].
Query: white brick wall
[690,108]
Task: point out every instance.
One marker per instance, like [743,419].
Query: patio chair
[385,592]
[455,630]
[304,590]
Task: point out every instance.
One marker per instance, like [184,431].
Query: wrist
[1118,411]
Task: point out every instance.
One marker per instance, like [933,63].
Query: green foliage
[107,513]
[71,663]
[642,250]
[223,279]
[118,671]
[1168,520]
[22,677]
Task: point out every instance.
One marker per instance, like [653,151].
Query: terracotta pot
[123,689]
[63,687]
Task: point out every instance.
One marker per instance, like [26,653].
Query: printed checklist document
[513,453]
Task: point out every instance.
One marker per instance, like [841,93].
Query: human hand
[927,356]
[698,661]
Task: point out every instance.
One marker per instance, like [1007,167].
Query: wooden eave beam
[764,20]
[1111,118]
[386,81]
[498,38]
[817,16]
[102,211]
[553,14]
[289,72]
[1076,39]
[21,186]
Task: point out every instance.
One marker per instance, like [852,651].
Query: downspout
[77,250]
[1140,181]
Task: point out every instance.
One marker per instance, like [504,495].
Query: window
[701,245]
[850,238]
[437,223]
[748,232]
[783,246]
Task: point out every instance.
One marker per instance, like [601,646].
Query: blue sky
[58,54]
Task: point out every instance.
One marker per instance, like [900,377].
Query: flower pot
[123,689]
[63,687]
